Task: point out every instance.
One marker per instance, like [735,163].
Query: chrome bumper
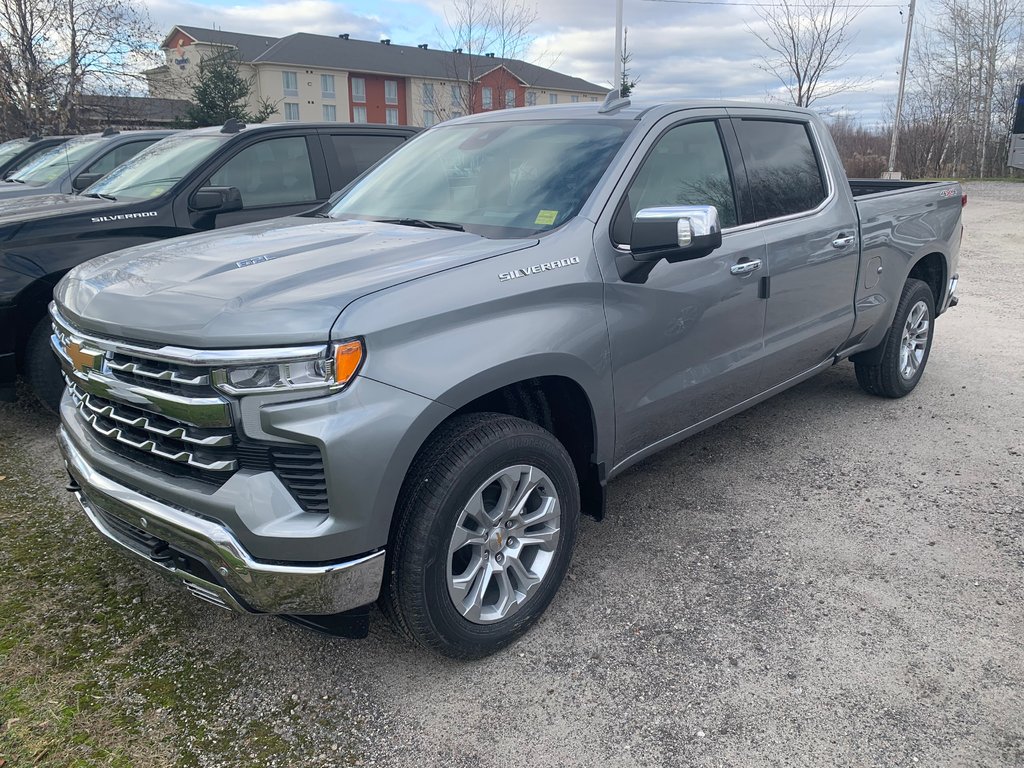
[222,572]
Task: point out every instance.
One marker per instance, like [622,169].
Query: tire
[906,347]
[42,369]
[434,584]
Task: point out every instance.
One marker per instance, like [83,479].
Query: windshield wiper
[99,195]
[425,224]
[12,180]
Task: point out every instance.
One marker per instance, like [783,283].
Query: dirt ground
[826,579]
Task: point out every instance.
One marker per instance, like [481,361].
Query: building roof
[144,109]
[325,52]
[321,51]
[249,46]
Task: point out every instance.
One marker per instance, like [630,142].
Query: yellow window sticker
[546,218]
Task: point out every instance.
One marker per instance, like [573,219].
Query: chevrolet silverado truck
[193,181]
[412,398]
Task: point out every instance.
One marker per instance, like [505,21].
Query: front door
[686,343]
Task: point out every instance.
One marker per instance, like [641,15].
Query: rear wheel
[486,525]
[41,368]
[906,347]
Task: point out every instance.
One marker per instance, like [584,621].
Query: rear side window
[119,155]
[782,169]
[270,172]
[357,153]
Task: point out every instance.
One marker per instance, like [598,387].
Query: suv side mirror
[216,200]
[85,180]
[675,234]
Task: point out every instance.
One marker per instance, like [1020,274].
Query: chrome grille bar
[159,375]
[142,422]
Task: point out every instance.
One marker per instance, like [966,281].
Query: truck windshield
[155,169]
[498,180]
[55,163]
[10,148]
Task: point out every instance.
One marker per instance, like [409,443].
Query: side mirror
[677,233]
[85,180]
[216,200]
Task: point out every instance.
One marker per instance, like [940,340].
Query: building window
[574,99]
[552,98]
[510,98]
[593,98]
[327,86]
[487,98]
[531,98]
[391,116]
[359,92]
[456,95]
[291,111]
[330,113]
[390,91]
[428,94]
[429,118]
[358,114]
[291,83]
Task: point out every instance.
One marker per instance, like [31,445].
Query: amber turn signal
[348,356]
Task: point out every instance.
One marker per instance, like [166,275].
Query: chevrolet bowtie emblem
[82,359]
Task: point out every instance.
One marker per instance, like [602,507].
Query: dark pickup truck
[193,181]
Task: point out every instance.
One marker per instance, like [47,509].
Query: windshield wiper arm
[12,180]
[100,195]
[425,224]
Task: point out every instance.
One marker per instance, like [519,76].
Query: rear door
[810,230]
[686,342]
[278,174]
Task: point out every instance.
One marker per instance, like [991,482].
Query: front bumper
[208,560]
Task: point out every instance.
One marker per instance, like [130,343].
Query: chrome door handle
[844,240]
[745,267]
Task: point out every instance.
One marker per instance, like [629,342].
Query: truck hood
[271,283]
[12,190]
[14,209]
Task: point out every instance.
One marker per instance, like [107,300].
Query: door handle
[844,240]
[745,267]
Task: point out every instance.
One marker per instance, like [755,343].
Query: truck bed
[863,187]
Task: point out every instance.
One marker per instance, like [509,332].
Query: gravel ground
[827,578]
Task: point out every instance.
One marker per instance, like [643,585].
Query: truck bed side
[906,229]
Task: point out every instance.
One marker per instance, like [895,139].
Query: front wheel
[42,371]
[486,524]
[906,347]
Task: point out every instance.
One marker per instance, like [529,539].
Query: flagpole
[617,82]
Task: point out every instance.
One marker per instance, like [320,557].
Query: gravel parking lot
[826,579]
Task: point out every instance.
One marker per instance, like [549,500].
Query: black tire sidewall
[914,292]
[429,556]
[42,371]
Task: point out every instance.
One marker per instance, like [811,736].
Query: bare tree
[53,51]
[961,89]
[808,42]
[483,36]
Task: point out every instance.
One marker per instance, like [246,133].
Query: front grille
[168,417]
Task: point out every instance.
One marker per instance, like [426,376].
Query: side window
[782,169]
[271,172]
[117,156]
[686,167]
[357,153]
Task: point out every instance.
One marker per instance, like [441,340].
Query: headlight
[330,370]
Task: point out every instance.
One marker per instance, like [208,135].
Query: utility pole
[899,97]
[617,82]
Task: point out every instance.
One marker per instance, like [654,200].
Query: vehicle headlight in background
[330,371]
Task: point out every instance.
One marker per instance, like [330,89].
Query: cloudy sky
[680,49]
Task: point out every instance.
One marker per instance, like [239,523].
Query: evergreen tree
[220,93]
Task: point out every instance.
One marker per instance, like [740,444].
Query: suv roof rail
[109,131]
[613,101]
[232,125]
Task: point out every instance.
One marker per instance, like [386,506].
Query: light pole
[617,82]
[899,97]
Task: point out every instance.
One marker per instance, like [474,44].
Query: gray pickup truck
[411,398]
